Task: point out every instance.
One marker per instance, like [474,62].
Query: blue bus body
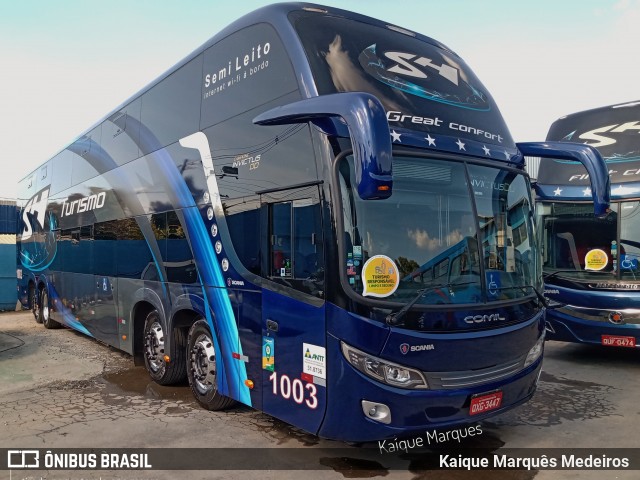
[249,220]
[8,217]
[591,264]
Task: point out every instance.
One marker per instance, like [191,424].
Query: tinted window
[77,250]
[132,250]
[121,132]
[295,250]
[171,109]
[249,158]
[421,85]
[243,221]
[61,174]
[246,69]
[105,235]
[179,263]
[86,148]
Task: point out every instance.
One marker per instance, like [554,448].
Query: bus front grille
[472,378]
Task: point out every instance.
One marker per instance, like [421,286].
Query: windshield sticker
[380,277]
[595,259]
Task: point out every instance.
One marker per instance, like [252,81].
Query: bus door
[293,314]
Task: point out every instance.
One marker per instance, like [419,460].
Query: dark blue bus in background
[252,220]
[8,222]
[591,264]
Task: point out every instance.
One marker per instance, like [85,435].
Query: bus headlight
[382,370]
[535,351]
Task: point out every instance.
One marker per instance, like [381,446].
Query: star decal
[432,141]
[586,192]
[486,150]
[460,145]
[557,192]
[395,136]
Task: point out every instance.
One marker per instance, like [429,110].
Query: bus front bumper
[353,396]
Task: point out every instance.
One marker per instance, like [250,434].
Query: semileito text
[241,62]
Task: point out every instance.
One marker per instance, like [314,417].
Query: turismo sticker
[595,259]
[380,277]
[268,359]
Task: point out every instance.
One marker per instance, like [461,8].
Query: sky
[67,63]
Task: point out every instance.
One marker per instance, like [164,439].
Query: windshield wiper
[546,302]
[394,318]
[539,294]
[556,273]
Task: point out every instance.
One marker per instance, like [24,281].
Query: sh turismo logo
[38,245]
[434,76]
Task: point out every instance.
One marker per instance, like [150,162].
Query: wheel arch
[139,313]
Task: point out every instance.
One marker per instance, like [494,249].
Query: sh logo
[603,140]
[429,74]
[406,65]
[37,207]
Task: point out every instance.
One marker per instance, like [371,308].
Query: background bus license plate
[618,341]
[484,403]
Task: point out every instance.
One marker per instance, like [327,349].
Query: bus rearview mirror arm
[368,128]
[585,154]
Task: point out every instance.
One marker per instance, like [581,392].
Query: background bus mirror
[367,126]
[585,154]
[543,209]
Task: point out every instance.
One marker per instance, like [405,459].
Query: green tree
[406,266]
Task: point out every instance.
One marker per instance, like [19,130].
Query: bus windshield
[459,232]
[580,246]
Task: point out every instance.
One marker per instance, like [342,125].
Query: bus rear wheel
[35,304]
[202,368]
[160,370]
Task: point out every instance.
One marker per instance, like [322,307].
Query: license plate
[618,341]
[485,402]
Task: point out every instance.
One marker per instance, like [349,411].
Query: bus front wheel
[202,368]
[164,367]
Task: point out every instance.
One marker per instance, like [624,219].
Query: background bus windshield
[578,245]
[429,230]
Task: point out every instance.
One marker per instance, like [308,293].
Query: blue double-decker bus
[251,220]
[591,264]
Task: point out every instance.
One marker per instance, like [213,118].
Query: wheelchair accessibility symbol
[628,263]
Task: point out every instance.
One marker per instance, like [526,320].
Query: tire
[154,341]
[45,311]
[35,304]
[201,368]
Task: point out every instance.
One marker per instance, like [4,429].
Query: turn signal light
[249,383]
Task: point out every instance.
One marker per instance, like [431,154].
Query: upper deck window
[422,85]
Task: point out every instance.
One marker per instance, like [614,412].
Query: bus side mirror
[367,126]
[577,152]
